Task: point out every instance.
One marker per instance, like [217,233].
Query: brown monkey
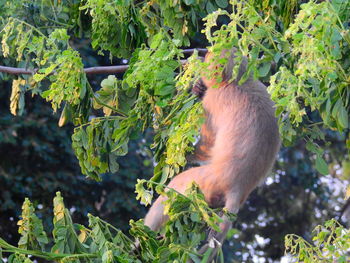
[239,142]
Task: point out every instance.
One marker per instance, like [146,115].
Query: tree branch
[106,69]
[16,71]
[343,210]
[92,70]
[201,51]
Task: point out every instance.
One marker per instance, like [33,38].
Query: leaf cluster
[95,148]
[115,27]
[122,26]
[331,243]
[57,62]
[101,242]
[181,17]
[320,42]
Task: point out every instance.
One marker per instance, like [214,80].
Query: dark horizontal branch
[89,71]
[106,69]
[92,70]
[201,51]
[16,71]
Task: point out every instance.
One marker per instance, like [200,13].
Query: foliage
[116,26]
[30,228]
[93,146]
[72,87]
[122,26]
[181,17]
[103,242]
[331,244]
[320,41]
[306,61]
[17,96]
[68,83]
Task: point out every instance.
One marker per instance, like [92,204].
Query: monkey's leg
[155,216]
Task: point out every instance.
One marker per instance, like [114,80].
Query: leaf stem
[31,26]
[171,189]
[121,113]
[46,255]
[99,119]
[172,113]
[268,32]
[117,230]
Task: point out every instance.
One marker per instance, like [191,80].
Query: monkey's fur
[239,142]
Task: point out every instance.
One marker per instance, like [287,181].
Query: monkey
[239,143]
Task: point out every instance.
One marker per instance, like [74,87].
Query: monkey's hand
[199,89]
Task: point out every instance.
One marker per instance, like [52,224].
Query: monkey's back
[247,137]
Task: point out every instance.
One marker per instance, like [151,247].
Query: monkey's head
[223,65]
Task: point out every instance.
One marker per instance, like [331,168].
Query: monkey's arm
[207,136]
[203,148]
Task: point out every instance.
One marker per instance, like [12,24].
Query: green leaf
[222,3]
[195,258]
[321,165]
[336,108]
[313,147]
[189,2]
[277,57]
[343,117]
[156,41]
[207,255]
[342,259]
[164,90]
[195,217]
[264,69]
[107,95]
[210,7]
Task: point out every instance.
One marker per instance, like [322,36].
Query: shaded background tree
[37,160]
